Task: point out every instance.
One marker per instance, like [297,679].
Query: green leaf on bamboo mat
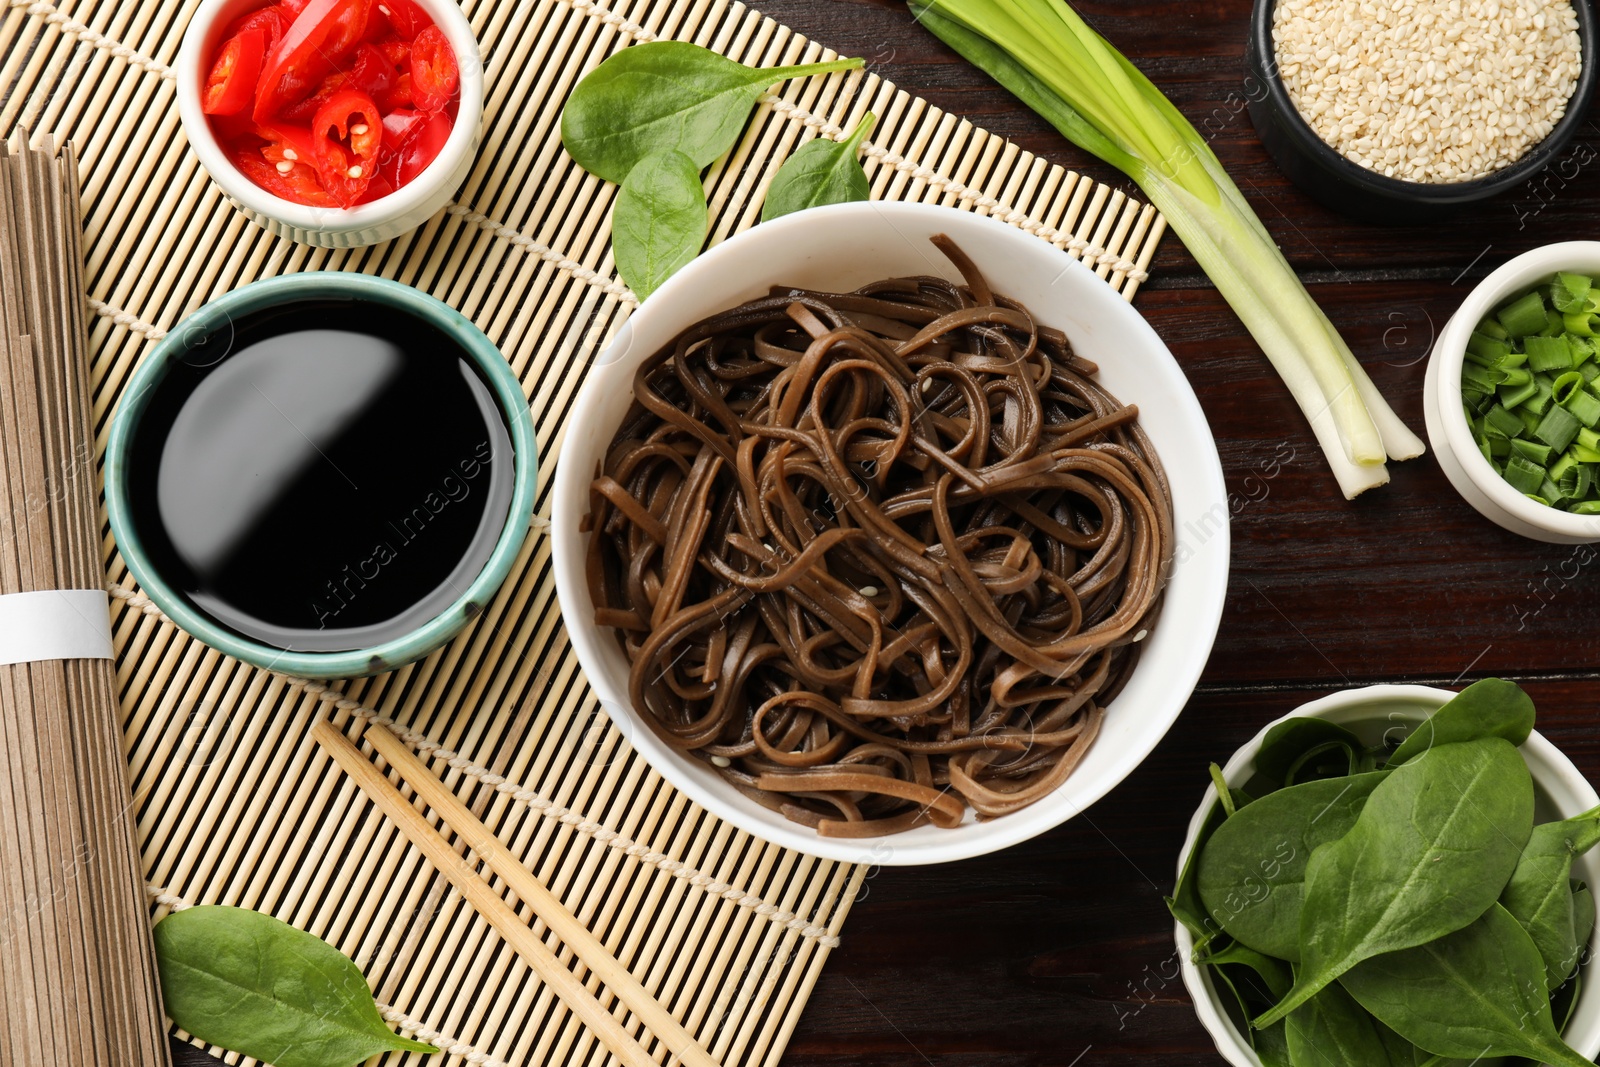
[821,172]
[1476,992]
[247,982]
[666,95]
[1251,877]
[1490,708]
[660,220]
[1434,846]
[1540,897]
[1332,1030]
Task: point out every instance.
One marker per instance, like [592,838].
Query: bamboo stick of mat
[496,911]
[77,973]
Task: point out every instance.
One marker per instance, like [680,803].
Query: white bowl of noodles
[837,249]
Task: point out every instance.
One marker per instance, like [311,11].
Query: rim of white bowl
[189,68]
[1233,1046]
[892,850]
[1520,273]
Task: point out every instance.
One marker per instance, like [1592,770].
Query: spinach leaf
[1476,992]
[1490,708]
[1251,876]
[247,982]
[1539,895]
[1289,742]
[1332,1030]
[666,95]
[1256,981]
[1432,849]
[1583,909]
[822,171]
[1185,904]
[660,220]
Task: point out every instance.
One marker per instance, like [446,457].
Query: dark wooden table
[1059,952]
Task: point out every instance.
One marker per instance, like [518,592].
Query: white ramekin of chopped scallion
[1512,397]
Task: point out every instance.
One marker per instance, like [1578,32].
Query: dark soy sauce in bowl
[337,479]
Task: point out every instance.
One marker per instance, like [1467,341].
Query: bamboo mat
[233,802]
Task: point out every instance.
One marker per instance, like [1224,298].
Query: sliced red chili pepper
[379,189]
[347,135]
[232,82]
[435,77]
[297,185]
[413,139]
[311,46]
[269,20]
[303,111]
[291,10]
[405,16]
[397,52]
[287,142]
[374,75]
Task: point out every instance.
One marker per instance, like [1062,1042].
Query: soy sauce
[322,476]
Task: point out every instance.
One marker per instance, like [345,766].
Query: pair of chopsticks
[496,911]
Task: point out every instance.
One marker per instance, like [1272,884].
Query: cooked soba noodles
[879,556]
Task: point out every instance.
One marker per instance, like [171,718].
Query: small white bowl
[1560,791]
[842,247]
[384,219]
[1448,431]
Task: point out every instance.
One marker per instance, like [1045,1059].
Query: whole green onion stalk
[1052,61]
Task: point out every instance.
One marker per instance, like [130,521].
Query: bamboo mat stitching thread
[1086,250]
[530,797]
[450,1046]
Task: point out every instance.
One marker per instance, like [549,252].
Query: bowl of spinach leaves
[1394,875]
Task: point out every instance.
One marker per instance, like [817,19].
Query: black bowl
[1359,193]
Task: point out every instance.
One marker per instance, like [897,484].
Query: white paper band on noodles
[54,624]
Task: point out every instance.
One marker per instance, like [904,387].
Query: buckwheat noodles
[879,556]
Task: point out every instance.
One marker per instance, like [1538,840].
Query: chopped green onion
[1524,475]
[1538,453]
[1481,378]
[1512,395]
[1564,386]
[1540,400]
[1570,292]
[1486,351]
[1581,324]
[1586,507]
[1557,428]
[1524,316]
[1585,407]
[1500,420]
[1548,353]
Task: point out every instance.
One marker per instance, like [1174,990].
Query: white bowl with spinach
[1405,878]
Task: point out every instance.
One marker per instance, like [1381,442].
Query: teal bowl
[181,344]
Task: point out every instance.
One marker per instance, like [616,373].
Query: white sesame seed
[284,166]
[358,129]
[869,590]
[721,761]
[1429,90]
[1140,636]
[355,171]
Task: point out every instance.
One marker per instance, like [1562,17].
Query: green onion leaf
[1548,353]
[1053,62]
[1557,428]
[1532,450]
[1524,475]
[1523,316]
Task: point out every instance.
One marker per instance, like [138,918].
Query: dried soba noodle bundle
[882,555]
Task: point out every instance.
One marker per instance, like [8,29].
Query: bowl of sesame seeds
[1405,110]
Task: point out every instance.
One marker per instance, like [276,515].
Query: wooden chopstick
[496,911]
